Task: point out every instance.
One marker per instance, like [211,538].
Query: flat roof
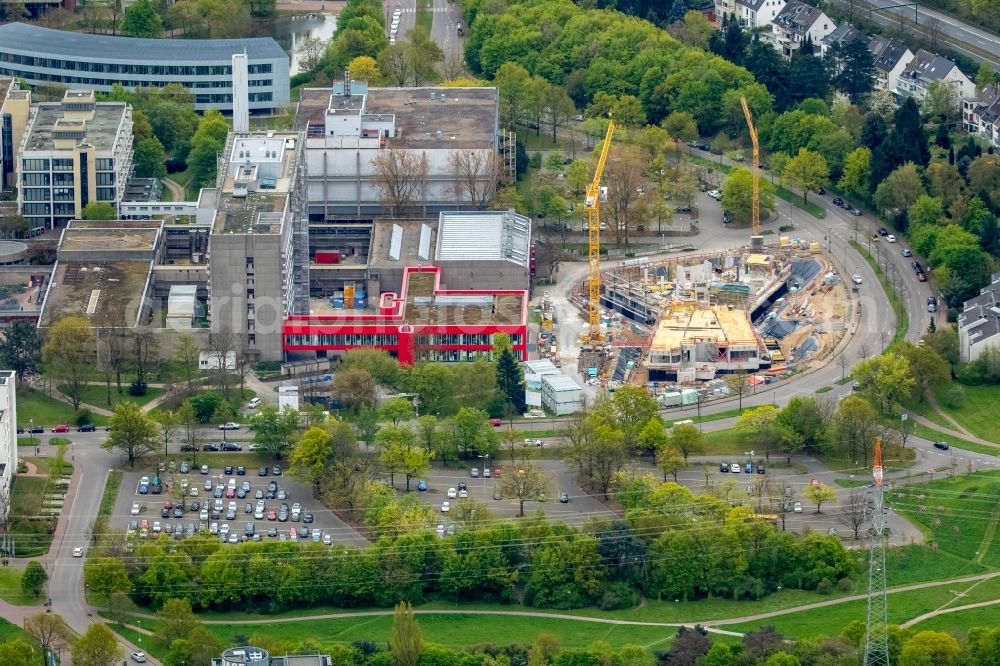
[26,38]
[424,305]
[103,240]
[717,324]
[561,382]
[108,293]
[468,118]
[483,236]
[101,130]
[409,245]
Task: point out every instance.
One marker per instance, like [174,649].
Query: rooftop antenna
[347,84]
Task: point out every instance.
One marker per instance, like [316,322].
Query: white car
[856,279]
[253,404]
[487,473]
[138,657]
[213,528]
[715,194]
[78,551]
[194,492]
[135,509]
[327,539]
[797,507]
[445,507]
[203,515]
[532,442]
[258,514]
[890,239]
[224,529]
[452,493]
[229,426]
[463,494]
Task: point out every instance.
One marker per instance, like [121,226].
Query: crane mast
[755,169]
[592,206]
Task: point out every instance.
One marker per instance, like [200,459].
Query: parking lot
[221,500]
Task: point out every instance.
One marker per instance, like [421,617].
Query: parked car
[452,493]
[734,468]
[874,238]
[564,498]
[421,485]
[474,472]
[890,239]
[210,447]
[837,201]
[496,423]
[856,278]
[445,507]
[797,507]
[135,509]
[254,403]
[276,470]
[723,467]
[715,194]
[36,430]
[760,468]
[229,446]
[87,427]
[62,427]
[188,448]
[932,304]
[921,277]
[227,470]
[138,657]
[242,471]
[883,231]
[487,473]
[231,425]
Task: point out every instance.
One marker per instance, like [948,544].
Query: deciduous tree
[168,423]
[354,388]
[99,210]
[141,20]
[133,432]
[819,494]
[21,349]
[105,577]
[400,176]
[806,171]
[887,378]
[737,195]
[33,579]
[527,484]
[406,646]
[97,647]
[687,439]
[67,353]
[51,631]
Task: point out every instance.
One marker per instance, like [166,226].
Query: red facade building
[423,322]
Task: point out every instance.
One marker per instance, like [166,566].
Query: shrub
[137,388]
[617,596]
[845,585]
[954,397]
[84,416]
[824,587]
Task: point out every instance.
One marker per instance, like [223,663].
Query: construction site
[765,311]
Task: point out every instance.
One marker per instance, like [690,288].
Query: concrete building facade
[97,62]
[376,152]
[73,153]
[891,58]
[251,260]
[695,343]
[15,109]
[8,433]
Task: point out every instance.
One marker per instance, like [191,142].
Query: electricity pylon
[877,622]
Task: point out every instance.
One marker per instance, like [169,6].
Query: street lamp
[486,461]
[31,429]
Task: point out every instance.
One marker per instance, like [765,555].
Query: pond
[290,32]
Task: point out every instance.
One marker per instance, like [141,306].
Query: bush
[137,388]
[824,587]
[300,79]
[536,161]
[205,404]
[785,227]
[845,585]
[954,397]
[84,416]
[617,596]
[59,441]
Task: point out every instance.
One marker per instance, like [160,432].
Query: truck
[461,32]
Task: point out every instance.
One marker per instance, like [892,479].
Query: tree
[67,353]
[378,363]
[133,432]
[208,140]
[737,195]
[33,579]
[854,511]
[510,377]
[273,430]
[186,354]
[801,422]
[687,439]
[406,646]
[14,226]
[354,388]
[20,349]
[199,646]
[99,210]
[105,577]
[681,125]
[364,68]
[51,631]
[653,435]
[855,67]
[739,386]
[396,410]
[900,189]
[806,171]
[150,159]
[759,426]
[930,647]
[400,177]
[926,366]
[670,461]
[176,620]
[528,484]
[477,176]
[312,455]
[596,449]
[940,102]
[856,425]
[819,494]
[985,75]
[578,177]
[624,177]
[888,378]
[168,423]
[141,20]
[857,173]
[97,647]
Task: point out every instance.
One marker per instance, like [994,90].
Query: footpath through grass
[96,395]
[902,317]
[10,588]
[45,410]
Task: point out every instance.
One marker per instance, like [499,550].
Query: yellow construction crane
[595,195]
[755,168]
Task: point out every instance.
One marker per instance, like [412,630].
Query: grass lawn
[46,411]
[921,430]
[111,486]
[424,16]
[10,588]
[27,440]
[34,532]
[977,412]
[959,514]
[902,317]
[97,395]
[10,631]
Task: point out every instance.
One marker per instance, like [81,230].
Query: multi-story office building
[14,106]
[8,433]
[399,152]
[73,152]
[97,62]
[251,261]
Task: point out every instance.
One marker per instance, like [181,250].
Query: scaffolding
[507,145]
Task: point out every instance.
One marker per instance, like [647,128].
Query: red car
[230,493]
[62,427]
[922,277]
[496,423]
[272,515]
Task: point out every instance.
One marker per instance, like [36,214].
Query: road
[970,41]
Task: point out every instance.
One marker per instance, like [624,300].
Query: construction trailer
[561,395]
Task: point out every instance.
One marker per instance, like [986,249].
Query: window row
[343,340]
[128,83]
[123,68]
[456,339]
